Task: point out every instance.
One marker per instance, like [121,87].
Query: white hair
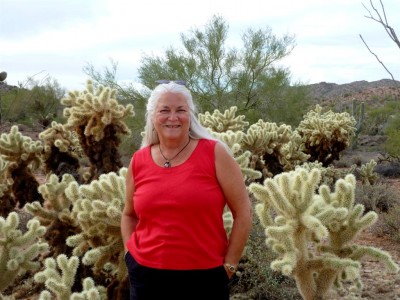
[196,130]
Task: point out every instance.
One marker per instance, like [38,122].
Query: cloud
[60,37]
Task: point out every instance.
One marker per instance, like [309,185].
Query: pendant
[167,164]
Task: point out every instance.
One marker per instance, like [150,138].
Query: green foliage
[391,222]
[255,278]
[293,107]
[392,131]
[377,118]
[221,77]
[34,103]
[380,197]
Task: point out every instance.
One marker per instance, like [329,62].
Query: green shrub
[377,118]
[391,222]
[34,103]
[392,131]
[257,280]
[379,197]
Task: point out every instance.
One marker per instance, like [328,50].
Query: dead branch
[376,56]
[384,22]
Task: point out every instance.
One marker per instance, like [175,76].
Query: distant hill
[358,90]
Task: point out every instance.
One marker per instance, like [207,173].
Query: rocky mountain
[358,90]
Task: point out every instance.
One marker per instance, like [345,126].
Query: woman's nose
[172,116]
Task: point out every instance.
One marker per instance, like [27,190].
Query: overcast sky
[57,38]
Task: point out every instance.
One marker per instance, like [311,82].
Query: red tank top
[180,212]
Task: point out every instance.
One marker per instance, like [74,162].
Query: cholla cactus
[329,175]
[218,122]
[55,214]
[367,173]
[7,201]
[61,283]
[234,140]
[97,119]
[23,155]
[327,134]
[18,251]
[274,148]
[61,151]
[313,234]
[292,153]
[90,291]
[97,209]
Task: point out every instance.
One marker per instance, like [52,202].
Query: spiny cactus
[234,141]
[7,200]
[18,250]
[218,122]
[367,173]
[24,156]
[97,208]
[275,148]
[55,214]
[97,118]
[60,284]
[61,151]
[313,233]
[326,135]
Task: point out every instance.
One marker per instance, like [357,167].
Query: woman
[177,186]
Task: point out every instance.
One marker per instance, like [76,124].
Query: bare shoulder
[224,160]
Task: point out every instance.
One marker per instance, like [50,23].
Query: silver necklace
[167,163]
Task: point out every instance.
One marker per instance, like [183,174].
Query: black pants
[152,284]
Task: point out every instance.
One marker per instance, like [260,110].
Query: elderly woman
[177,187]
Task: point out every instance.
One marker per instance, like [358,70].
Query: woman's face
[172,117]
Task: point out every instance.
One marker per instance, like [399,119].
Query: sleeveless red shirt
[180,212]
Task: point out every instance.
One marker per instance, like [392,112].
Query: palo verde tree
[221,77]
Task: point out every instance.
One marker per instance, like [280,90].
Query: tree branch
[377,58]
[384,22]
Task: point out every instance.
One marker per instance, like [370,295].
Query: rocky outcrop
[5,88]
[357,90]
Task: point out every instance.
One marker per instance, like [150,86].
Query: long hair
[196,130]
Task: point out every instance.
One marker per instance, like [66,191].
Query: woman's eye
[163,111]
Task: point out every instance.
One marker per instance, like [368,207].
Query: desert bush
[391,222]
[392,144]
[357,160]
[388,169]
[33,103]
[379,197]
[256,279]
[377,118]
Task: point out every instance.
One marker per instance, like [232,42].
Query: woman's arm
[128,217]
[232,183]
